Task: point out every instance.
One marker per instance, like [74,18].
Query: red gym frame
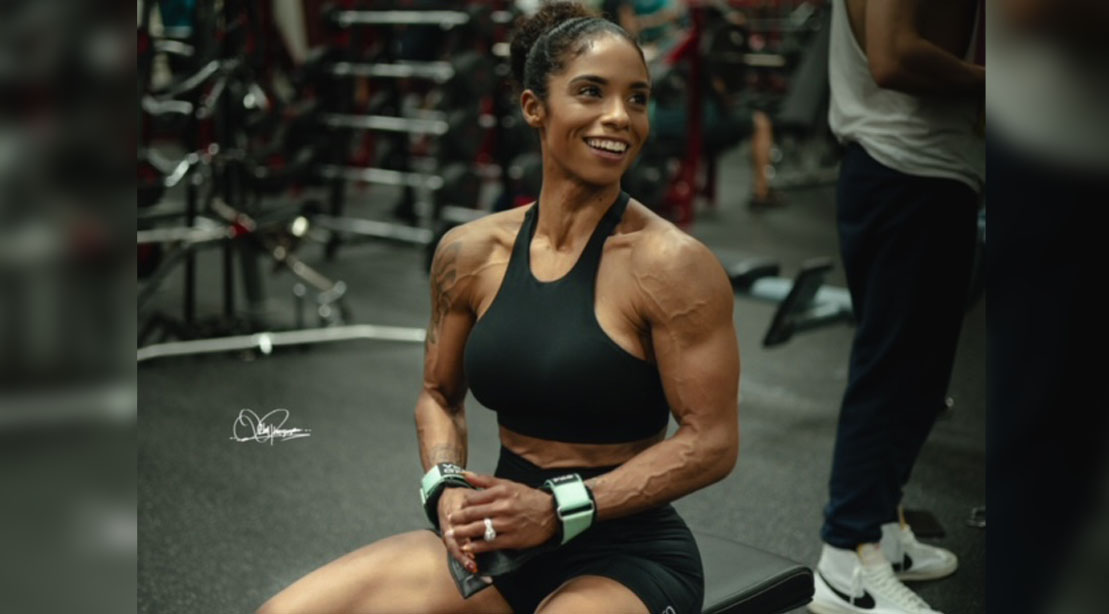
[680,199]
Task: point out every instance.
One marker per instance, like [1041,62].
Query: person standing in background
[905,102]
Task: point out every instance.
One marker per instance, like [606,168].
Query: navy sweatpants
[907,244]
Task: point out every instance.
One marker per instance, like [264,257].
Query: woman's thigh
[588,594]
[397,575]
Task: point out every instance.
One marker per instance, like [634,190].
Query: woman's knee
[396,572]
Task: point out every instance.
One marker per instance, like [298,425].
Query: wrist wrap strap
[434,482]
[574,505]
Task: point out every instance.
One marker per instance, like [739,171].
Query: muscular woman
[584,320]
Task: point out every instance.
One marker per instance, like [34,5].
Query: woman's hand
[450,502]
[523,517]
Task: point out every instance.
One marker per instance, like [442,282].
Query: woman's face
[595,120]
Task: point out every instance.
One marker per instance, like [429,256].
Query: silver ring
[490,533]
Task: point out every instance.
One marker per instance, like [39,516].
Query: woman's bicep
[700,372]
[695,346]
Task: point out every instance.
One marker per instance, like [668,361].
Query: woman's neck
[569,210]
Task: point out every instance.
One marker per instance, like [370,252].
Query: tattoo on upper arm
[444,273]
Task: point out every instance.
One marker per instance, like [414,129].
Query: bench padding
[741,579]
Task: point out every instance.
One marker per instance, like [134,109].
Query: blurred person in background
[1048,150]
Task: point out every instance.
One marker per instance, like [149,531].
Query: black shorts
[652,553]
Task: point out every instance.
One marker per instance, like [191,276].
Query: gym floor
[224,525]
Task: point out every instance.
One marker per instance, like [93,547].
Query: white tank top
[917,135]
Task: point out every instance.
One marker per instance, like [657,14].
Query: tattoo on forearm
[444,273]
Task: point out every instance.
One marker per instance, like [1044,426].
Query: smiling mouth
[609,146]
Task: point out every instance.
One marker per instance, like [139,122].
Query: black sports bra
[539,358]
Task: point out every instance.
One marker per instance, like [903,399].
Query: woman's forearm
[666,471]
[441,429]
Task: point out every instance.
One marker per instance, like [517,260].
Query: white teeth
[606,144]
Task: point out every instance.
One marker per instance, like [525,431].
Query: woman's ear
[533,108]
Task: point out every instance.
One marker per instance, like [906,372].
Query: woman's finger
[454,546]
[501,542]
[451,541]
[455,550]
[475,531]
[480,480]
[477,497]
[503,537]
[474,513]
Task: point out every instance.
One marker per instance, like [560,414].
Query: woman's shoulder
[469,246]
[657,241]
[666,259]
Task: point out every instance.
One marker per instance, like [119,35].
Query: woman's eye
[590,90]
[640,98]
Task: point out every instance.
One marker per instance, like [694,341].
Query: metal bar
[156,107]
[461,215]
[758,60]
[764,60]
[445,19]
[381,176]
[178,173]
[194,234]
[305,272]
[174,47]
[372,228]
[192,82]
[188,310]
[159,275]
[386,123]
[265,342]
[436,71]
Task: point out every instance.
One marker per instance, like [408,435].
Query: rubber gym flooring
[223,525]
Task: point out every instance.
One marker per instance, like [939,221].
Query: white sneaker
[861,581]
[913,560]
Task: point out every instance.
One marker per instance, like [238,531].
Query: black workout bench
[741,579]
